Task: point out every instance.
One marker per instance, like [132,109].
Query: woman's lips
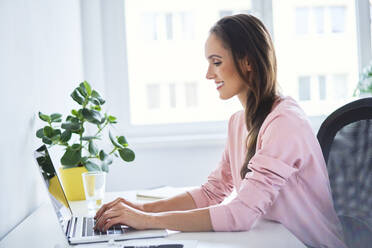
[219,85]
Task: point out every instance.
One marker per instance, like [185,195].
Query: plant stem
[115,148]
[81,134]
[101,128]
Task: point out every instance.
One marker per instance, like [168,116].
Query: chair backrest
[346,141]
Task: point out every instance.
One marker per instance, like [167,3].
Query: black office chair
[346,141]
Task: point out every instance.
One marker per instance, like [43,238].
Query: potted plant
[81,148]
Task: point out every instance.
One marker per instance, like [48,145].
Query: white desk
[41,229]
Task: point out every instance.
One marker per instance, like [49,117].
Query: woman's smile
[219,84]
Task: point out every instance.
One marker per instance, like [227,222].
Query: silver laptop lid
[53,185]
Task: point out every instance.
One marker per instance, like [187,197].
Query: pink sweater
[288,183]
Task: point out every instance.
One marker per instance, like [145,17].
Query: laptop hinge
[70,227]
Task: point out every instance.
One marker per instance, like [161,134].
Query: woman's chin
[224,97]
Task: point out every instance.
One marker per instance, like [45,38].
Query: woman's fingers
[105,217]
[106,207]
[111,222]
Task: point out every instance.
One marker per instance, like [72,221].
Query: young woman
[272,157]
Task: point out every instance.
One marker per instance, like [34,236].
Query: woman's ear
[245,64]
[248,65]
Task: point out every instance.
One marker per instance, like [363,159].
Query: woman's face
[222,70]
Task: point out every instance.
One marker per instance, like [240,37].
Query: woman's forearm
[180,202]
[196,220]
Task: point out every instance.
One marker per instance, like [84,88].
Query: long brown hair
[249,42]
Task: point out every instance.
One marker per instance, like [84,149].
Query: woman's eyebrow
[213,56]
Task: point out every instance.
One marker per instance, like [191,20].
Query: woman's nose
[210,74]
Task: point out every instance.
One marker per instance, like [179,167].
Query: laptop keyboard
[89,223]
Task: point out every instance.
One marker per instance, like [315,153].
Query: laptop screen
[53,185]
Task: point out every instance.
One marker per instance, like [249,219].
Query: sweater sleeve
[279,155]
[219,184]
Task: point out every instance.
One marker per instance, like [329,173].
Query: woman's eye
[217,63]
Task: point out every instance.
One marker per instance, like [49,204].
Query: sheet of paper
[162,192]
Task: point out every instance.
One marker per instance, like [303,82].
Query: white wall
[175,166]
[40,63]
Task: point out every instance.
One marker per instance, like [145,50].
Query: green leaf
[127,154]
[114,142]
[56,132]
[87,138]
[82,90]
[84,160]
[122,141]
[87,87]
[66,136]
[92,116]
[44,117]
[112,119]
[91,166]
[79,131]
[76,147]
[55,117]
[98,97]
[74,112]
[102,155]
[103,120]
[72,119]
[105,167]
[56,135]
[71,156]
[105,157]
[94,100]
[97,107]
[80,115]
[56,138]
[40,133]
[71,126]
[68,166]
[47,140]
[48,131]
[92,148]
[77,97]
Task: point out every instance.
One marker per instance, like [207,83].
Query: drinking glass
[94,187]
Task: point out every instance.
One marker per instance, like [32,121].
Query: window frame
[106,66]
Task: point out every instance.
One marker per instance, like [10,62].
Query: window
[302,20]
[191,94]
[304,88]
[172,95]
[340,86]
[322,87]
[153,96]
[319,19]
[338,15]
[322,45]
[165,47]
[162,50]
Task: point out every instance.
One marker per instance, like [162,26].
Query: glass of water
[94,187]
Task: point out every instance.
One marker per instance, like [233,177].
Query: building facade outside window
[317,57]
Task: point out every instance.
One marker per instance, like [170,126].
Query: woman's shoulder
[287,113]
[237,118]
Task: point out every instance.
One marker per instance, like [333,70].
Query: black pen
[154,246]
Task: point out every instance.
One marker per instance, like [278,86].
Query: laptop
[79,229]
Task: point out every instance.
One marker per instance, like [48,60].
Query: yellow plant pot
[73,183]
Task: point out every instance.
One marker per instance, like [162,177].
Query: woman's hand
[111,204]
[118,212]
